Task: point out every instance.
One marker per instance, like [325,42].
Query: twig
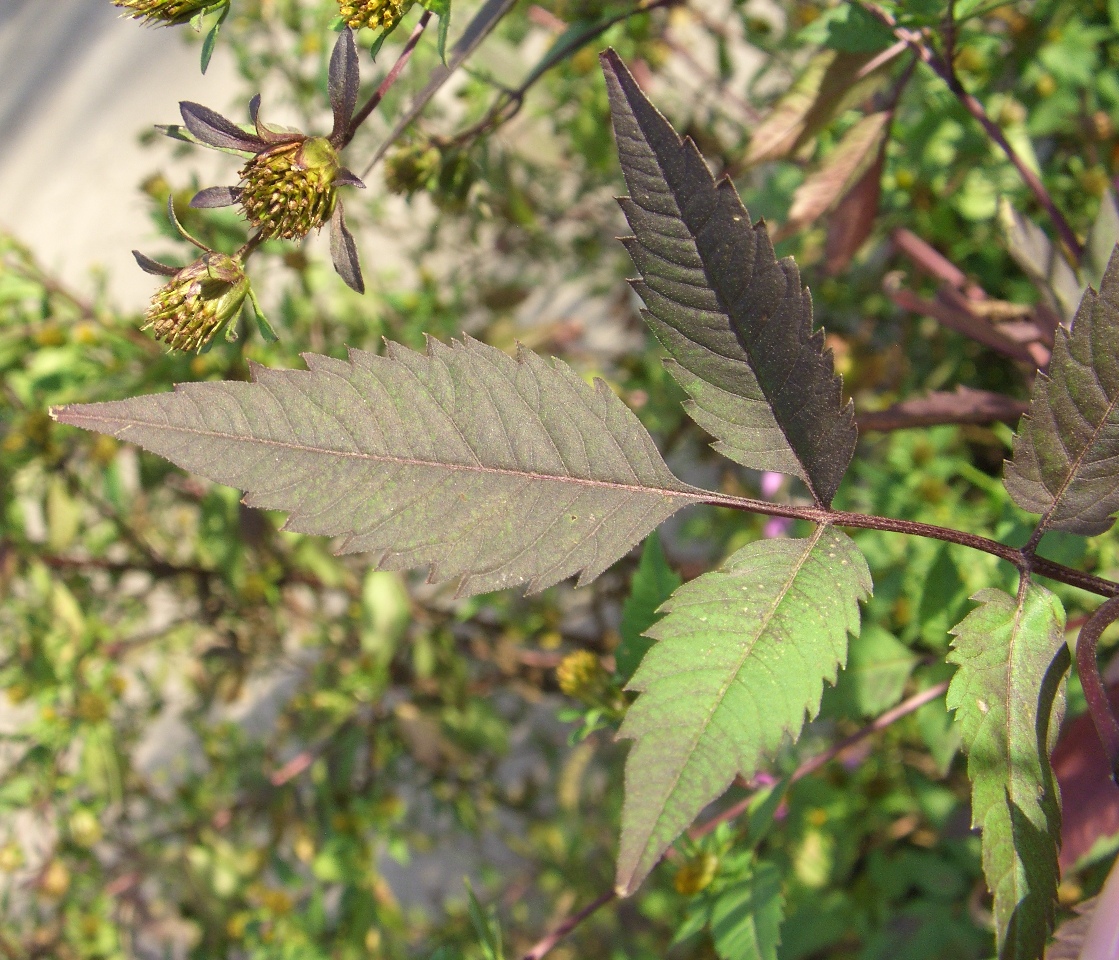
[812,764]
[393,75]
[544,945]
[1088,668]
[947,72]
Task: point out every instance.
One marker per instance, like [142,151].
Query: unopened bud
[580,674]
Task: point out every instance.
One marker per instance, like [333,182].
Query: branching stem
[1086,666]
[1025,560]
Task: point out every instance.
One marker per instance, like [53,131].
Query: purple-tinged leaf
[1008,694]
[343,251]
[1067,448]
[154,267]
[216,197]
[254,109]
[735,320]
[491,469]
[343,81]
[1042,261]
[214,130]
[741,657]
[347,178]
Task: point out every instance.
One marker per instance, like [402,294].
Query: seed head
[376,14]
[167,12]
[289,190]
[197,301]
[411,168]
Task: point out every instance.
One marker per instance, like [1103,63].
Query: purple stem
[1098,705]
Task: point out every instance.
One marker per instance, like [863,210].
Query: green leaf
[741,657]
[211,38]
[736,321]
[1102,239]
[1008,697]
[652,584]
[492,469]
[878,668]
[442,9]
[746,918]
[1065,453]
[848,28]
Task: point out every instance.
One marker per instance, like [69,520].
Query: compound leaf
[493,469]
[741,657]
[735,320]
[1008,697]
[1065,454]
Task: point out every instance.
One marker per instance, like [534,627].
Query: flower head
[166,12]
[377,14]
[289,182]
[197,301]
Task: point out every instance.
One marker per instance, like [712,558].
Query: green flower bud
[410,168]
[168,12]
[188,310]
[376,14]
[289,190]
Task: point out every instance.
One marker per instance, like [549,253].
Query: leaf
[653,583]
[1102,239]
[214,130]
[852,157]
[848,28]
[742,656]
[746,918]
[1008,697]
[492,469]
[736,321]
[211,39]
[343,251]
[343,79]
[878,667]
[1068,938]
[1042,262]
[851,223]
[442,9]
[1066,448]
[828,84]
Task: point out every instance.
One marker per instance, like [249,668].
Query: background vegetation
[226,742]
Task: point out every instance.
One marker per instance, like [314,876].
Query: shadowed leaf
[853,218]
[736,321]
[343,251]
[653,583]
[741,657]
[343,80]
[1042,262]
[852,157]
[1065,453]
[746,918]
[495,470]
[216,197]
[1102,239]
[211,128]
[1008,697]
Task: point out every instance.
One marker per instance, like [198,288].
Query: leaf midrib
[811,543]
[682,492]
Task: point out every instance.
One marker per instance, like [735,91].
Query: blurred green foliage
[221,741]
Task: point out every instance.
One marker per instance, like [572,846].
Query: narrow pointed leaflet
[1067,449]
[741,657]
[1008,696]
[493,469]
[735,320]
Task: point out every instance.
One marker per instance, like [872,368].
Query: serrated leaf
[735,320]
[746,918]
[493,469]
[741,658]
[653,583]
[1008,696]
[1064,464]
[853,156]
[827,85]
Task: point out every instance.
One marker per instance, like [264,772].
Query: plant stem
[393,75]
[1024,561]
[1086,666]
[812,764]
[947,72]
[544,945]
